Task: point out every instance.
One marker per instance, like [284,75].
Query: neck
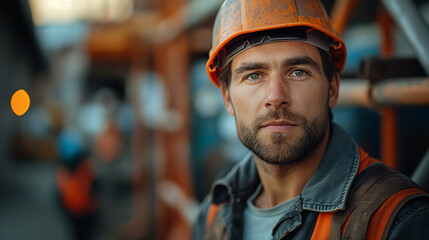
[284,182]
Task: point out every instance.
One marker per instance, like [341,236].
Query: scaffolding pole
[390,92]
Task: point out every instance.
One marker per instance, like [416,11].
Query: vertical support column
[160,148]
[140,224]
[388,115]
[389,136]
[385,23]
[171,63]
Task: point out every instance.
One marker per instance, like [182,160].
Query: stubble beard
[282,149]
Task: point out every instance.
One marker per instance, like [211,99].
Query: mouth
[278,126]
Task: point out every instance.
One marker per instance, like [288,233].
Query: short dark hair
[225,76]
[329,69]
[328,65]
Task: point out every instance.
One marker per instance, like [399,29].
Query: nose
[277,94]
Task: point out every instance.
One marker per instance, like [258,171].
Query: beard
[282,149]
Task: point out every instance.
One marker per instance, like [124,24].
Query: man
[277,64]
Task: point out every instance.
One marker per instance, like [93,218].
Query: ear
[334,89]
[227,100]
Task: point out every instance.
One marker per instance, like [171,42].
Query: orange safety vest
[371,208]
[75,189]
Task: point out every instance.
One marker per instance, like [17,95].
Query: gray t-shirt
[259,222]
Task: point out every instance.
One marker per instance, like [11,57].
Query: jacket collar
[238,184]
[326,191]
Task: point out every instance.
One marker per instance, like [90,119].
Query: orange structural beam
[386,24]
[341,13]
[388,118]
[389,136]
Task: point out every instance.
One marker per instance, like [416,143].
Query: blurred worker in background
[76,184]
[277,64]
[109,142]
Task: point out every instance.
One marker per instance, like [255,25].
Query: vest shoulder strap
[211,214]
[377,193]
[215,227]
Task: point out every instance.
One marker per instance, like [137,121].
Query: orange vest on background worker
[75,176]
[75,188]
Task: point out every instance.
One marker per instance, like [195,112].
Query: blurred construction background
[125,132]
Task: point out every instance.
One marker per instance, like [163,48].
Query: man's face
[280,98]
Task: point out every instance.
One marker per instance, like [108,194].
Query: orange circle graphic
[20,102]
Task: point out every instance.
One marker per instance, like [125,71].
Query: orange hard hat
[237,23]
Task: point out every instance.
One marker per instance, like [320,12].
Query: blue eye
[254,76]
